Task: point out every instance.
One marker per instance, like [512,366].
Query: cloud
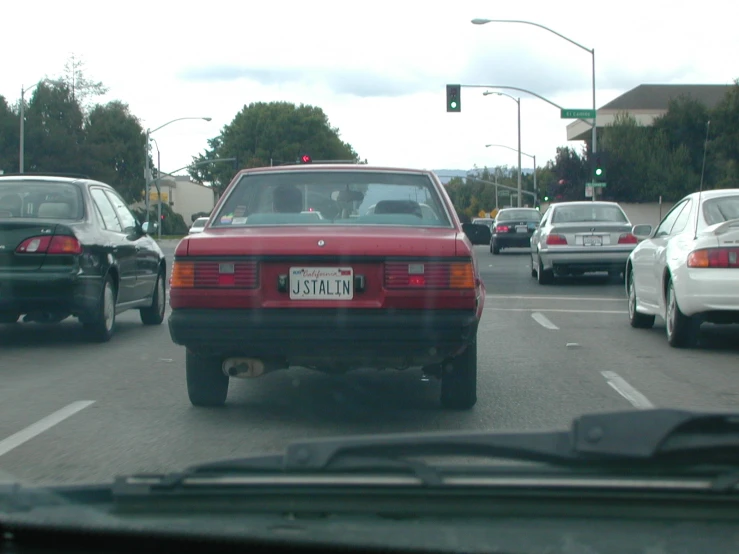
[362,83]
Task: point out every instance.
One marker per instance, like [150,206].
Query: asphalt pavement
[73,412]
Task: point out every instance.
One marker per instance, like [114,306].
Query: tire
[544,277]
[496,248]
[459,380]
[207,385]
[682,330]
[101,324]
[154,314]
[636,319]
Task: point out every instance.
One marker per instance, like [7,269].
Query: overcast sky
[378,69]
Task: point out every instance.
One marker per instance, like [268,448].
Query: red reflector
[627,238]
[556,239]
[416,280]
[226,279]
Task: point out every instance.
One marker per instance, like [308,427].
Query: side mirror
[642,232]
[147,227]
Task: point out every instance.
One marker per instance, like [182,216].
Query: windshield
[333,198]
[40,200]
[510,215]
[583,213]
[200,223]
[723,208]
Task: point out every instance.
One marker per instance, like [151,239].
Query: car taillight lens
[714,257]
[212,275]
[434,275]
[502,228]
[627,238]
[556,239]
[58,244]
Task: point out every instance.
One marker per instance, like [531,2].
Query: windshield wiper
[645,439]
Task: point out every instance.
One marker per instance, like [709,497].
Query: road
[73,412]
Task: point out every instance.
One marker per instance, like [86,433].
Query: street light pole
[518,102]
[23,130]
[536,191]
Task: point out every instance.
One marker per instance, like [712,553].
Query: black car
[514,228]
[71,247]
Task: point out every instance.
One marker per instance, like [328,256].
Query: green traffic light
[546,199]
[453,105]
[599,172]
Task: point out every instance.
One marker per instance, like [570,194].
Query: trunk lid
[591,233]
[12,233]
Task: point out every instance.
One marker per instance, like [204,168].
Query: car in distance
[581,237]
[378,282]
[513,228]
[71,247]
[198,225]
[687,269]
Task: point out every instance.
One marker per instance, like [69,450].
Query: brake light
[212,275]
[714,257]
[58,244]
[556,239]
[627,238]
[502,228]
[434,275]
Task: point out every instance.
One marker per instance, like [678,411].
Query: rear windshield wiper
[646,439]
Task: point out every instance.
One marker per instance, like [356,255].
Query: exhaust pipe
[247,368]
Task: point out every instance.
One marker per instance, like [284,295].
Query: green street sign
[578,114]
[596,185]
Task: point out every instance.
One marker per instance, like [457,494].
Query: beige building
[645,103]
[184,196]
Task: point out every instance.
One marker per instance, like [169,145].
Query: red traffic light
[306,159]
[162,217]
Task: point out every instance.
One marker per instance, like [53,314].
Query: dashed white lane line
[542,320]
[621,312]
[35,429]
[637,399]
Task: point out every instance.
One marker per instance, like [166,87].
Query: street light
[536,190]
[147,169]
[21,153]
[480,21]
[518,103]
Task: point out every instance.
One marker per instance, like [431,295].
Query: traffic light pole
[594,147]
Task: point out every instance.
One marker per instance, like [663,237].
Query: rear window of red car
[333,198]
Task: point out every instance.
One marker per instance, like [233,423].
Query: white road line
[35,429]
[637,399]
[542,320]
[545,297]
[620,312]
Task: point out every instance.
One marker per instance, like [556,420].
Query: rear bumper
[32,291]
[418,336]
[512,240]
[713,293]
[585,259]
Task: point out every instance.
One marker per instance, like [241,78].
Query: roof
[717,193]
[657,97]
[334,167]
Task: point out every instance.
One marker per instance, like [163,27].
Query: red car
[333,268]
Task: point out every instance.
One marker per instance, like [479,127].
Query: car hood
[337,241]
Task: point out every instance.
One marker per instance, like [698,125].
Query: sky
[378,69]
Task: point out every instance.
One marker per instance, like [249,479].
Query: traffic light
[306,159]
[599,162]
[453,98]
[162,217]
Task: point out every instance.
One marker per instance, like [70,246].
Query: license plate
[321,283]
[522,229]
[592,241]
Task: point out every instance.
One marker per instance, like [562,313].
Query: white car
[581,237]
[198,225]
[687,270]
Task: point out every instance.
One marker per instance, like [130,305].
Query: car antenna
[703,172]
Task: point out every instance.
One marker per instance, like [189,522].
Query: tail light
[435,275]
[502,228]
[44,244]
[213,275]
[556,239]
[627,238]
[714,257]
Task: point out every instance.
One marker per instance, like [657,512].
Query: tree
[9,135]
[684,124]
[570,171]
[114,148]
[724,147]
[80,86]
[54,131]
[270,133]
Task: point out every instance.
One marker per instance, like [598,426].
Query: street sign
[596,185]
[578,114]
[588,191]
[154,197]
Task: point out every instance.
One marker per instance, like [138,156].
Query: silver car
[581,237]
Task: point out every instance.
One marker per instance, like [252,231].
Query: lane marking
[542,320]
[637,399]
[545,297]
[620,312]
[35,429]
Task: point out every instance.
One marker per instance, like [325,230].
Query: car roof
[335,167]
[718,193]
[52,179]
[586,203]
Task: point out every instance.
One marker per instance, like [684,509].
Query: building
[184,196]
[645,103]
